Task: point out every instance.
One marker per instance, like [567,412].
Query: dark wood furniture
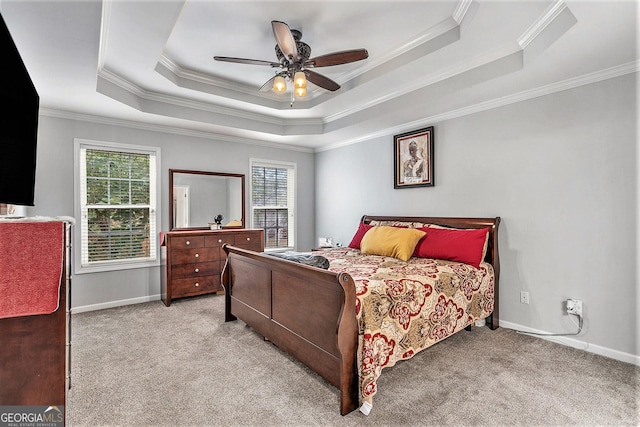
[192,260]
[35,351]
[310,313]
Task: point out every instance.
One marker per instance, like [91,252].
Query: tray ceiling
[151,63]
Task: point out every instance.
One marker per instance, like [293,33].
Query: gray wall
[561,172]
[54,192]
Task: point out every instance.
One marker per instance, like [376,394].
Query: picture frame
[413,158]
[325,242]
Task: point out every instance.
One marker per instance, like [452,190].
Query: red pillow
[357,238]
[454,245]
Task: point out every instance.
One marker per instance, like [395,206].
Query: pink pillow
[357,238]
[454,245]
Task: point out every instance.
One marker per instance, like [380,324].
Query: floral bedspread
[405,307]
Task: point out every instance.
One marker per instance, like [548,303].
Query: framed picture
[413,159]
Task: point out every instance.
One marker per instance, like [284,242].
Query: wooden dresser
[192,261]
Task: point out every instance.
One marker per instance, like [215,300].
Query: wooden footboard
[305,311]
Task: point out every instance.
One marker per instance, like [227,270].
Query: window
[273,202]
[117,194]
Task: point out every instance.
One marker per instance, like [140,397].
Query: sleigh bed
[367,311]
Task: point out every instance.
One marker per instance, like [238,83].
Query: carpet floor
[151,365]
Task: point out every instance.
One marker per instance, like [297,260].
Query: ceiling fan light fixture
[299,80]
[279,84]
[294,62]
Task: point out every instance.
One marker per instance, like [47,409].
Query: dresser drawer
[219,240]
[250,240]
[189,256]
[195,270]
[196,285]
[187,242]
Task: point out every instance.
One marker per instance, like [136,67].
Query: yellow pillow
[391,241]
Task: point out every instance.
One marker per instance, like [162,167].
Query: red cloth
[462,245]
[31,256]
[357,238]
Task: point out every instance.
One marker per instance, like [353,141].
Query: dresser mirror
[196,198]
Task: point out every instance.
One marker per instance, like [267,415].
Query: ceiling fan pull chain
[293,98]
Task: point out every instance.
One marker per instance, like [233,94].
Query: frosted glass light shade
[279,84]
[299,80]
[301,91]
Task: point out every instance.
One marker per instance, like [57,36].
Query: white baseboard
[112,304]
[581,345]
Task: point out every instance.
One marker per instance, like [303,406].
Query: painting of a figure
[413,156]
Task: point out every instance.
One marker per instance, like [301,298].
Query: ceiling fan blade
[337,58]
[284,38]
[246,61]
[322,81]
[268,85]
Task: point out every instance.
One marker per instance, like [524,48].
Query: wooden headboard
[492,256]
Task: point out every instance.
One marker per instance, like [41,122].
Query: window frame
[292,232]
[114,265]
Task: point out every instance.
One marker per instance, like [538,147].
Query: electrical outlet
[524,297]
[574,306]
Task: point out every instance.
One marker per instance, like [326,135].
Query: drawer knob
[197,270]
[197,255]
[197,284]
[188,243]
[248,238]
[219,240]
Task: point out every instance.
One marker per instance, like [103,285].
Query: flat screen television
[18,126]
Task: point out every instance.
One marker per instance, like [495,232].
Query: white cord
[579,325]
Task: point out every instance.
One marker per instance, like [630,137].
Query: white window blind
[273,202]
[118,204]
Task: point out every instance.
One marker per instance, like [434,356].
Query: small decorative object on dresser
[193,260]
[217,224]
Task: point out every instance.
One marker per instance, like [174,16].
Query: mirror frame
[192,172]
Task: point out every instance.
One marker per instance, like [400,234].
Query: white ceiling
[151,62]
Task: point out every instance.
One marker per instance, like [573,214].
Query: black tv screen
[18,126]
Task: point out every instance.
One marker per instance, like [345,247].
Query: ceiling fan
[294,62]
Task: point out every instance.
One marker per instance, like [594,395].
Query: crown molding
[175,130]
[144,95]
[544,21]
[105,17]
[591,78]
[587,79]
[461,10]
[428,80]
[206,79]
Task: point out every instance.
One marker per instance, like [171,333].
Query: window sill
[101,268]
